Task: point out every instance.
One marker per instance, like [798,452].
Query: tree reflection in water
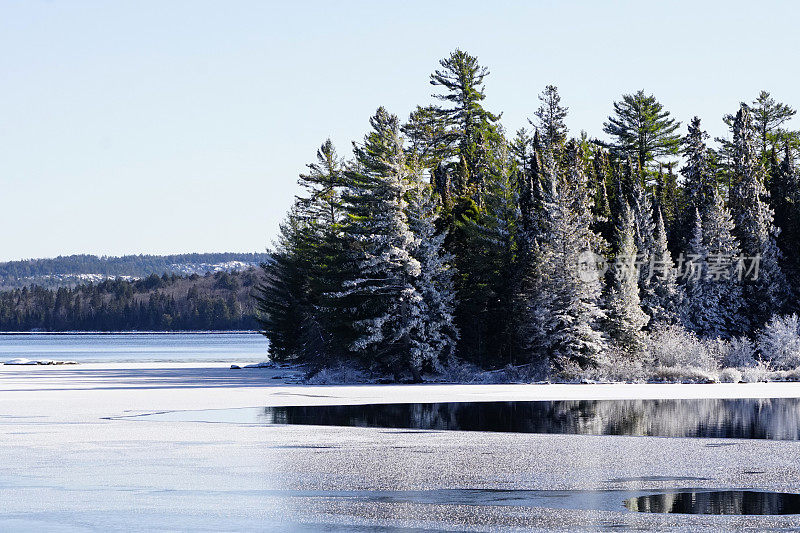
[742,418]
[729,502]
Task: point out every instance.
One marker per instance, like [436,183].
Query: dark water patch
[777,419]
[723,502]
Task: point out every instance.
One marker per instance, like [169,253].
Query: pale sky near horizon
[181,126]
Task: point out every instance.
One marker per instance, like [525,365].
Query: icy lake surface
[135,347]
[774,419]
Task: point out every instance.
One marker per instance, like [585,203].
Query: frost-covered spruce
[625,317]
[665,298]
[755,230]
[723,251]
[641,207]
[564,311]
[382,292]
[713,289]
[632,198]
[699,183]
[699,311]
[436,341]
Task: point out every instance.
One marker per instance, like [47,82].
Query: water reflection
[728,502]
[742,418]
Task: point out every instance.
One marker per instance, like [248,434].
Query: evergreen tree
[626,318]
[754,225]
[397,294]
[563,308]
[321,204]
[664,299]
[550,118]
[700,313]
[486,243]
[386,309]
[784,188]
[767,118]
[429,141]
[468,126]
[642,129]
[282,298]
[723,252]
[669,201]
[602,223]
[713,289]
[699,181]
[435,342]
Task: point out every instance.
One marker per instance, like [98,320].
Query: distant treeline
[219,301]
[138,266]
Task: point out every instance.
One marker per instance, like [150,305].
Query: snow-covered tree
[779,341]
[696,314]
[641,206]
[435,342]
[382,291]
[625,316]
[721,264]
[699,182]
[754,224]
[602,223]
[564,307]
[714,301]
[664,299]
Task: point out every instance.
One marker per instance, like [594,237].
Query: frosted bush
[673,346]
[458,371]
[685,374]
[779,342]
[338,375]
[620,365]
[759,373]
[741,354]
[730,375]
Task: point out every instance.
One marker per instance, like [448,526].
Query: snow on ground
[67,467]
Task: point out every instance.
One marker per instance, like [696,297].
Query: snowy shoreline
[275,385]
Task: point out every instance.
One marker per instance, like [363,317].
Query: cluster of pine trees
[444,237]
[219,301]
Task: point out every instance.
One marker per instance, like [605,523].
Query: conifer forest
[444,243]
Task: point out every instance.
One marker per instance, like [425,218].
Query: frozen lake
[136,347]
[81,454]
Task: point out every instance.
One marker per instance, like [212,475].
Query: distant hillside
[73,270]
[214,301]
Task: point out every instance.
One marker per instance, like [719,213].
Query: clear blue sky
[168,126]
